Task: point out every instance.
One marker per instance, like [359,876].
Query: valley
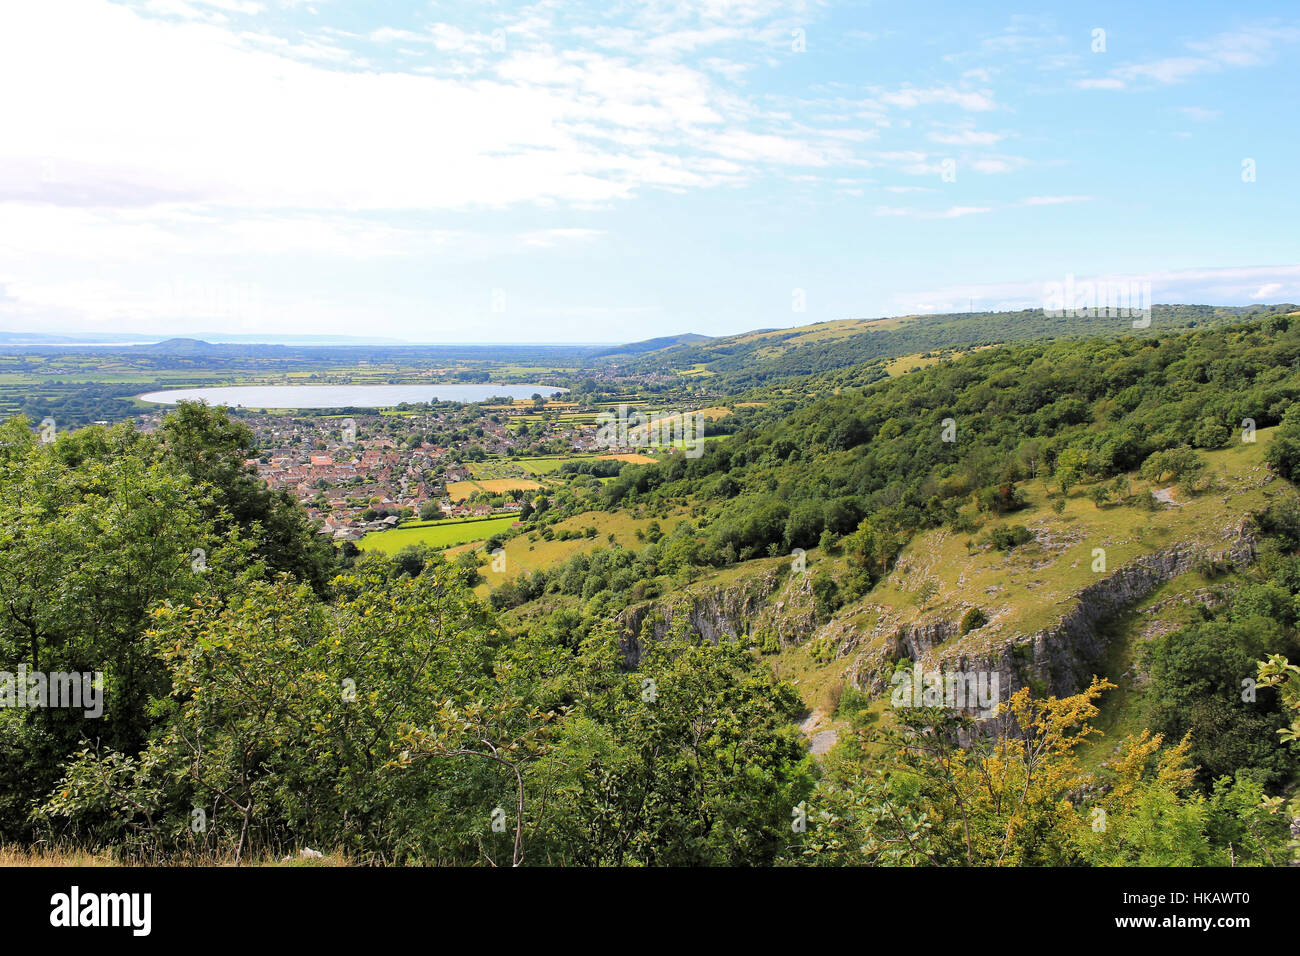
[1053,518]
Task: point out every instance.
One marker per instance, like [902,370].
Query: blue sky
[562,171]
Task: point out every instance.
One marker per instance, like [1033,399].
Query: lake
[343,396]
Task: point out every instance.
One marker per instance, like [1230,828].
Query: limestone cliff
[774,607]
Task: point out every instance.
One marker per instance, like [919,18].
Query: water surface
[344,396]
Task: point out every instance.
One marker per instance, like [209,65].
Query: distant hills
[733,361]
[181,347]
[752,358]
[209,339]
[41,338]
[652,345]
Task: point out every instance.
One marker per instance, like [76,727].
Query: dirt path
[821,738]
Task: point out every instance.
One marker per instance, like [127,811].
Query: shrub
[1009,537]
[974,618]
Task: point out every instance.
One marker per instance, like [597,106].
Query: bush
[1009,537]
[1002,498]
[826,595]
[1196,684]
[1178,464]
[974,618]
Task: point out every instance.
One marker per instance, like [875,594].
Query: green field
[435,534]
[493,468]
[530,552]
[542,466]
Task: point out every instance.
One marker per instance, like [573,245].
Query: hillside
[659,659]
[1092,501]
[754,358]
[1049,618]
[651,345]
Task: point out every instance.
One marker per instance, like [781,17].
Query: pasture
[436,534]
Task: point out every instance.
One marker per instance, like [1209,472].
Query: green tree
[212,449]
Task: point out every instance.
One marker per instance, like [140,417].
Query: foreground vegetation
[264,692]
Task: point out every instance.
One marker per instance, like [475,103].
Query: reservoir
[345,396]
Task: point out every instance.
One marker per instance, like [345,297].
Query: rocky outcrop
[773,606]
[1064,657]
[1060,659]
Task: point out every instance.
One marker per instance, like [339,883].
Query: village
[356,471]
[371,472]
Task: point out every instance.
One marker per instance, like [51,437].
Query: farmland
[461,490]
[435,534]
[529,552]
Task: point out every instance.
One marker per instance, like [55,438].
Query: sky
[608,172]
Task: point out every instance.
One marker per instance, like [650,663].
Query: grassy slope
[1021,591]
[772,354]
[1032,586]
[524,554]
[439,534]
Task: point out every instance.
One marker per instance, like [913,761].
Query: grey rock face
[1062,658]
[776,603]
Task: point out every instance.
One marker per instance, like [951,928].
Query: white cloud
[1053,200]
[991,165]
[30,232]
[956,212]
[910,98]
[234,6]
[443,37]
[196,140]
[967,137]
[1172,69]
[238,122]
[952,212]
[1233,285]
[1100,83]
[1249,46]
[548,238]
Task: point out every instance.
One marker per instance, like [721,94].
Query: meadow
[435,534]
[526,553]
[460,490]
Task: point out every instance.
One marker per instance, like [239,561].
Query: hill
[756,358]
[180,346]
[1042,512]
[652,345]
[1100,538]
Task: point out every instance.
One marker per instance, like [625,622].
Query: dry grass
[501,485]
[53,856]
[49,856]
[714,412]
[525,554]
[460,490]
[632,457]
